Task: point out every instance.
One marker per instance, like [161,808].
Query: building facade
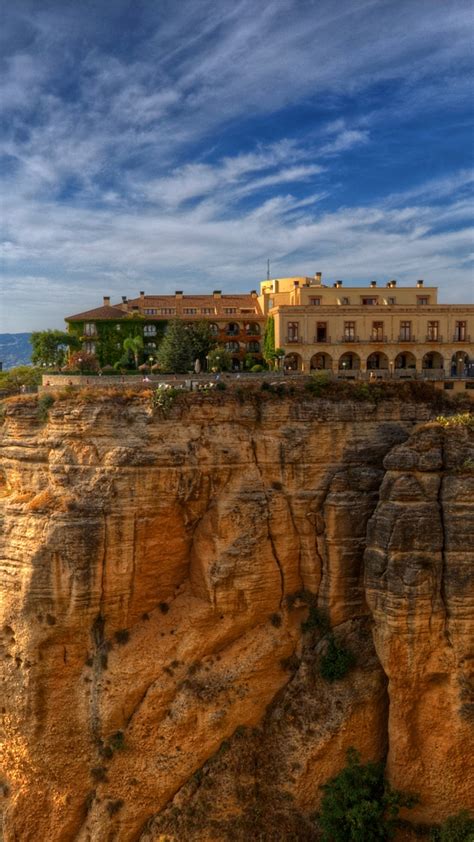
[236,321]
[370,331]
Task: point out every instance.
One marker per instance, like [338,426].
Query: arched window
[233,347]
[214,329]
[252,329]
[232,329]
[149,330]
[253,347]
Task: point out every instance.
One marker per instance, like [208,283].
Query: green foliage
[458,828]
[164,397]
[221,386]
[201,341]
[133,345]
[337,661]
[176,350]
[269,340]
[318,384]
[21,375]
[257,367]
[359,805]
[45,402]
[220,359]
[50,347]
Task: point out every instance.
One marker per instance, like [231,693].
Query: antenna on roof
[268,269]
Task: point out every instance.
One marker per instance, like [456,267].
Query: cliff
[156,570]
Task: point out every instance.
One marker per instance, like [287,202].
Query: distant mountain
[15,349]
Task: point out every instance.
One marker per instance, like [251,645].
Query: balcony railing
[349,339]
[378,338]
[406,339]
[461,337]
[294,340]
[432,338]
[325,341]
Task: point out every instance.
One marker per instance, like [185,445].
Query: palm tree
[133,344]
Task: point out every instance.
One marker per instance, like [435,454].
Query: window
[345,301]
[118,327]
[89,347]
[422,300]
[149,330]
[316,302]
[165,311]
[233,347]
[208,311]
[460,332]
[377,332]
[233,329]
[252,329]
[190,311]
[433,331]
[230,310]
[321,332]
[391,300]
[349,331]
[369,301]
[405,331]
[90,329]
[293,328]
[214,329]
[151,312]
[253,347]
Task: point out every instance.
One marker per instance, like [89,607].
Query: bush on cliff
[337,661]
[359,805]
[458,828]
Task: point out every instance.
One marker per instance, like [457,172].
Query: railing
[349,339]
[294,340]
[458,338]
[379,338]
[406,339]
[431,338]
[319,341]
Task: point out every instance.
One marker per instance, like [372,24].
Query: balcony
[318,341]
[461,337]
[431,338]
[378,338]
[294,340]
[349,339]
[406,339]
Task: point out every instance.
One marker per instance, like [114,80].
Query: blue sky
[166,145]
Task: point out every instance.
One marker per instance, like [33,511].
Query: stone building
[371,331]
[236,321]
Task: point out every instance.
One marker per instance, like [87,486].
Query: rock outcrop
[155,575]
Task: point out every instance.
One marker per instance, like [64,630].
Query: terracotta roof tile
[109,312]
[179,305]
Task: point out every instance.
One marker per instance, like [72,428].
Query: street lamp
[80,361]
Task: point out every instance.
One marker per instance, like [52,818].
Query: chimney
[124,302]
[338,284]
[373,284]
[391,284]
[317,277]
[106,300]
[217,293]
[419,283]
[253,293]
[142,297]
[296,283]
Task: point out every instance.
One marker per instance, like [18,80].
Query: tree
[219,359]
[83,362]
[269,340]
[133,345]
[176,350]
[201,340]
[50,347]
[21,375]
[359,805]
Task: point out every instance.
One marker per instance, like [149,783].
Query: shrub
[122,636]
[117,741]
[45,402]
[164,397]
[113,807]
[462,419]
[316,619]
[458,828]
[257,367]
[359,805]
[221,386]
[337,661]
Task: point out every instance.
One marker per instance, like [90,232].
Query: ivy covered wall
[110,336]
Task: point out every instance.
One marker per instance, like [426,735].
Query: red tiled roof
[178,305]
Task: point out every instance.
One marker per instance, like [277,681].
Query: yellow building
[371,331]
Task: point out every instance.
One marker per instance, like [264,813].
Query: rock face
[155,574]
